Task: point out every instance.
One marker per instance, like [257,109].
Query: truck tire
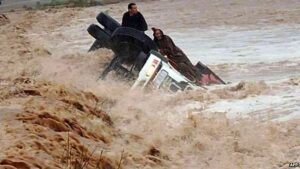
[102,38]
[136,40]
[108,22]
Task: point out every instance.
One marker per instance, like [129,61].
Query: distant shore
[10,5]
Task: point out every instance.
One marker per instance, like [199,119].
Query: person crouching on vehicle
[134,19]
[174,54]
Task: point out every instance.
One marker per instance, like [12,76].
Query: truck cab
[157,73]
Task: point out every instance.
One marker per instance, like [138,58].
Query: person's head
[157,33]
[132,8]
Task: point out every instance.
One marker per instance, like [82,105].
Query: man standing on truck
[134,19]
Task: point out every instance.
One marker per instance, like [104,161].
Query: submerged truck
[136,58]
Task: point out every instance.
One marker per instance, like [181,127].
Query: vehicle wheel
[136,40]
[108,22]
[102,38]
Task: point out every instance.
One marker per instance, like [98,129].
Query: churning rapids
[55,114]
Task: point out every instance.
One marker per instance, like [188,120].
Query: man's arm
[143,22]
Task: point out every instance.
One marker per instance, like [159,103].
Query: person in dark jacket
[175,55]
[134,19]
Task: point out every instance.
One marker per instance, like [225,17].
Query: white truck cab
[158,73]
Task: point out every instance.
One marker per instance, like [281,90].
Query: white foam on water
[283,105]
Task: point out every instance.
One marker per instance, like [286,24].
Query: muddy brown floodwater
[54,113]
